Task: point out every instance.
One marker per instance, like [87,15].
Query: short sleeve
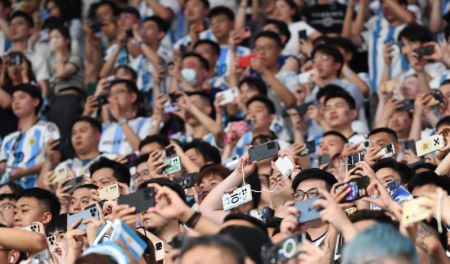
[76,61]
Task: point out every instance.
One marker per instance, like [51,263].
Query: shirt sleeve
[51,132]
[76,61]
[3,151]
[40,68]
[144,128]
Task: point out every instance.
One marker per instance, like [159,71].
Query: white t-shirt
[292,45]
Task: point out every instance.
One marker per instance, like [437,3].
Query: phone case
[51,241]
[32,228]
[141,199]
[111,192]
[413,211]
[387,152]
[264,151]
[238,197]
[428,145]
[307,212]
[61,174]
[84,215]
[75,182]
[172,165]
[187,181]
[310,148]
[229,96]
[284,166]
[304,77]
[358,188]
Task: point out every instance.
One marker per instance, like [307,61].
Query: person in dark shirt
[326,16]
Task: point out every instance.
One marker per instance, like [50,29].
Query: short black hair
[212,169]
[426,166]
[341,94]
[24,15]
[141,159]
[6,3]
[248,218]
[341,42]
[405,172]
[89,186]
[429,177]
[161,140]
[120,172]
[314,173]
[9,196]
[130,10]
[336,134]
[208,152]
[281,26]
[443,121]
[330,51]
[128,68]
[415,33]
[327,89]
[168,183]
[204,2]
[93,122]
[46,198]
[270,34]
[225,243]
[215,47]
[386,130]
[58,223]
[15,187]
[115,9]
[131,85]
[203,62]
[254,83]
[221,10]
[375,215]
[160,22]
[265,100]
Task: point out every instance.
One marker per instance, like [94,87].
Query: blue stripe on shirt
[376,34]
[117,143]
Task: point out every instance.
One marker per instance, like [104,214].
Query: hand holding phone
[284,165]
[264,151]
[308,213]
[238,197]
[111,192]
[358,188]
[83,215]
[141,199]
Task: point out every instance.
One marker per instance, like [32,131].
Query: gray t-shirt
[74,80]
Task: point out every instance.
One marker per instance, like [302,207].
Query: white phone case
[284,166]
[238,197]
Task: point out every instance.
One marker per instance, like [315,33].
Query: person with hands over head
[379,138]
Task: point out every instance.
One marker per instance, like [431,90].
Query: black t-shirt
[7,118]
[326,18]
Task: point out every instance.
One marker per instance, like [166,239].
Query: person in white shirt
[122,136]
[22,152]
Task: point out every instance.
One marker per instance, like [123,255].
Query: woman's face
[283,11]
[57,40]
[53,9]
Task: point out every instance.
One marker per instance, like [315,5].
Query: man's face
[23,104]
[445,90]
[195,11]
[127,21]
[207,184]
[150,147]
[257,111]
[104,13]
[331,145]
[142,174]
[29,210]
[338,113]
[208,53]
[120,96]
[150,33]
[268,51]
[207,254]
[424,189]
[7,210]
[325,65]
[387,175]
[221,26]
[380,140]
[19,29]
[400,122]
[246,92]
[84,137]
[81,198]
[153,220]
[309,186]
[103,177]
[194,63]
[195,156]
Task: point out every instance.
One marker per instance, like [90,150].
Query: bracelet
[193,220]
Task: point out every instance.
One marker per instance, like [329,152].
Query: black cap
[32,90]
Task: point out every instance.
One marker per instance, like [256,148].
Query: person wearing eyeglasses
[306,185]
[7,203]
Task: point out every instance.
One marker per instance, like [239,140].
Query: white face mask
[190,75]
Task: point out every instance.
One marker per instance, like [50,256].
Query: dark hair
[426,165]
[405,172]
[343,95]
[205,3]
[212,169]
[130,10]
[254,83]
[168,183]
[443,121]
[336,134]
[270,34]
[120,171]
[24,15]
[161,23]
[331,51]
[375,215]
[30,73]
[208,152]
[264,100]
[161,140]
[386,130]
[221,10]
[58,223]
[48,199]
[215,47]
[282,28]
[415,33]
[429,177]
[15,187]
[224,243]
[203,62]
[93,122]
[110,3]
[95,258]
[252,220]
[9,196]
[89,186]
[141,159]
[341,42]
[6,3]
[327,89]
[64,31]
[68,9]
[128,68]
[316,174]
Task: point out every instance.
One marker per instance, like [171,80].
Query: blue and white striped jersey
[113,138]
[27,149]
[81,167]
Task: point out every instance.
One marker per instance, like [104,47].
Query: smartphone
[96,27]
[324,159]
[131,158]
[390,86]
[358,188]
[413,211]
[408,106]
[56,147]
[32,228]
[410,144]
[232,162]
[51,242]
[393,186]
[387,151]
[229,96]
[172,165]
[111,192]
[187,181]
[303,108]
[129,33]
[354,158]
[141,199]
[41,257]
[437,96]
[171,108]
[245,60]
[282,251]
[310,149]
[83,215]
[75,182]
[264,151]
[307,212]
[102,99]
[428,145]
[302,34]
[238,197]
[15,59]
[61,173]
[284,165]
[424,51]
[304,77]
[170,152]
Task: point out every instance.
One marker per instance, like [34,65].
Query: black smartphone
[354,158]
[310,149]
[424,51]
[102,99]
[358,188]
[131,158]
[307,212]
[129,33]
[141,199]
[410,144]
[170,152]
[408,106]
[188,180]
[96,27]
[264,151]
[437,95]
[56,147]
[302,34]
[324,159]
[303,108]
[75,183]
[15,59]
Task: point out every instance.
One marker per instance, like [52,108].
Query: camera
[15,59]
[282,251]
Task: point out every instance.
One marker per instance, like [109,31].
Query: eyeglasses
[7,206]
[118,93]
[143,173]
[322,58]
[299,195]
